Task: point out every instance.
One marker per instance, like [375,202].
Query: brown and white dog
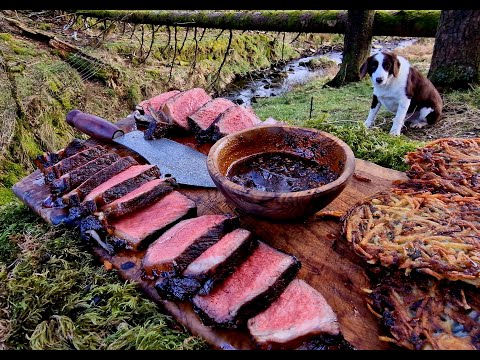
[403,90]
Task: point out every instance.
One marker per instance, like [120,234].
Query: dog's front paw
[367,124]
[395,132]
[418,124]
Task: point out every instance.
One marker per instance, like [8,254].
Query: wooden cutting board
[328,262]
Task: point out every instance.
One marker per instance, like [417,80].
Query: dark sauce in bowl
[280,172]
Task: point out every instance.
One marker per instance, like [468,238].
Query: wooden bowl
[312,144]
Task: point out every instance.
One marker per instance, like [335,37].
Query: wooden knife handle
[93,126]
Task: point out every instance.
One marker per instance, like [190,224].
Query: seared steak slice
[233,119]
[222,259]
[160,127]
[210,268]
[50,158]
[200,121]
[155,103]
[178,107]
[137,229]
[64,166]
[249,290]
[122,183]
[75,177]
[112,189]
[139,198]
[74,197]
[300,313]
[179,246]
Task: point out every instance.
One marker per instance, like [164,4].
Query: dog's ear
[364,68]
[396,66]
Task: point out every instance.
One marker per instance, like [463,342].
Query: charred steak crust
[75,197]
[195,249]
[118,243]
[126,186]
[75,177]
[50,158]
[228,267]
[182,287]
[142,200]
[421,312]
[64,166]
[209,113]
[257,304]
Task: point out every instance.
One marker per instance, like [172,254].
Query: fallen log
[405,23]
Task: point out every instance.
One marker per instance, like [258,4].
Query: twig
[151,44]
[296,37]
[174,54]
[133,30]
[283,44]
[168,41]
[194,64]
[184,39]
[221,32]
[141,43]
[217,76]
[203,33]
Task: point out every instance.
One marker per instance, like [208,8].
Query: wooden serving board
[328,262]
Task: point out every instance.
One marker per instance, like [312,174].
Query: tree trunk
[418,23]
[456,55]
[356,46]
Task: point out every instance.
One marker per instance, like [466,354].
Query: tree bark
[418,23]
[456,55]
[356,46]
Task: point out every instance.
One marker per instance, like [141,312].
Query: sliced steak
[74,197]
[112,189]
[200,121]
[50,158]
[139,198]
[122,183]
[184,104]
[210,268]
[233,119]
[179,246]
[160,127]
[155,103]
[64,166]
[137,229]
[75,177]
[299,314]
[222,259]
[249,290]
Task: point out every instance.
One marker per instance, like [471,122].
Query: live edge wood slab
[328,263]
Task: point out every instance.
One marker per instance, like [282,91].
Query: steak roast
[210,268]
[233,119]
[179,246]
[136,230]
[184,104]
[249,290]
[300,313]
[200,121]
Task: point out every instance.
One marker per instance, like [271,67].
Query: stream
[280,79]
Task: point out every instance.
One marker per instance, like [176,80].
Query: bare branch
[221,32]
[185,38]
[194,64]
[217,75]
[296,38]
[203,33]
[174,53]
[168,41]
[151,43]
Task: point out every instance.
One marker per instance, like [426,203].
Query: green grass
[341,112]
[54,295]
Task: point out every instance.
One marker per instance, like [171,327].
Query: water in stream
[282,79]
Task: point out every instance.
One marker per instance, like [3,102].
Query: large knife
[188,166]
